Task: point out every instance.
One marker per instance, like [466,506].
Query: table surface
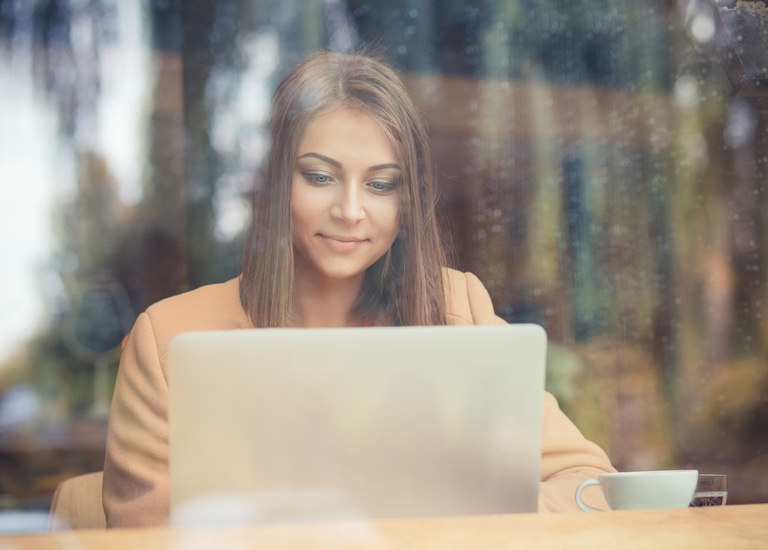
[739,526]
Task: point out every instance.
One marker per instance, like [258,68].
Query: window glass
[602,168]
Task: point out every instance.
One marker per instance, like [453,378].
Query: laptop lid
[271,425]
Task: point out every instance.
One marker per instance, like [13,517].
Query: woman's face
[345,196]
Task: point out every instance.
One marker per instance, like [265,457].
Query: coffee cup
[643,490]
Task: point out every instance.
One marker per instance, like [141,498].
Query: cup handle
[581,503]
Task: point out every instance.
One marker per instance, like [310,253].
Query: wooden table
[742,527]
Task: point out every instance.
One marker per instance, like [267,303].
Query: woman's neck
[325,302]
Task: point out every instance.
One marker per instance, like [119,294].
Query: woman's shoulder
[460,278]
[210,307]
[468,301]
[462,283]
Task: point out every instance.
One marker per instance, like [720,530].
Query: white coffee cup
[643,490]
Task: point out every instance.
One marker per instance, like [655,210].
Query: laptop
[297,425]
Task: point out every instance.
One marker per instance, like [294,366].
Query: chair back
[77,504]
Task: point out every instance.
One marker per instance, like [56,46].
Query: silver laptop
[286,425]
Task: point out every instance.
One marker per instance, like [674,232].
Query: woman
[344,234]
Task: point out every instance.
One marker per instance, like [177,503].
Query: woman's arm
[567,457]
[136,492]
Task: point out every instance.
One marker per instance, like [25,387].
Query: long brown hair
[405,287]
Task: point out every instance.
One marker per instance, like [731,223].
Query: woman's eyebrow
[384,167]
[329,160]
[337,164]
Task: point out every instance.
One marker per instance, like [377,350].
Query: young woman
[344,234]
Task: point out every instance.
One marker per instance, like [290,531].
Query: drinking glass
[711,490]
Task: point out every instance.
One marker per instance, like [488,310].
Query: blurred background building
[603,168]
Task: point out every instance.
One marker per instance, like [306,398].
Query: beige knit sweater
[136,489]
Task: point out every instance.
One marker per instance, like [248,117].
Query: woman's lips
[342,243]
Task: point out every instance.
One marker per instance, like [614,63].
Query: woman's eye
[382,185]
[317,178]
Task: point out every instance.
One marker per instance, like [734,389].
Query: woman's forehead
[348,133]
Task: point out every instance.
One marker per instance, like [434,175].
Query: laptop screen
[273,425]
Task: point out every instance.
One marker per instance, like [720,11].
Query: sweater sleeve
[136,492]
[567,457]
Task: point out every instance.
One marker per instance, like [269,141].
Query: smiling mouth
[342,244]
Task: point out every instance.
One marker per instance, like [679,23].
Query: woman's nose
[348,206]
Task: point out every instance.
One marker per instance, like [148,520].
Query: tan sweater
[136,489]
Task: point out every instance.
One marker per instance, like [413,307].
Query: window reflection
[602,170]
